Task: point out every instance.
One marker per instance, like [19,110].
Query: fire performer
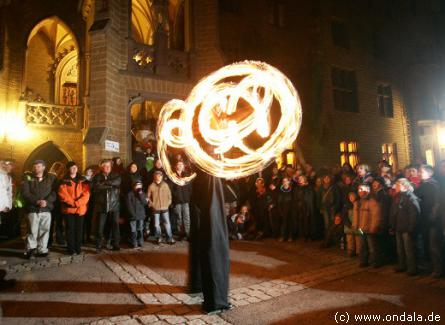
[213,129]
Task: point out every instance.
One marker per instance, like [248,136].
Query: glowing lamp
[12,127]
[221,112]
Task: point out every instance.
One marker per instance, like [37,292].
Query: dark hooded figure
[209,244]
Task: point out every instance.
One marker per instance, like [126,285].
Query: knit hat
[70,164]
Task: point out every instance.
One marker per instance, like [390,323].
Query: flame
[215,99]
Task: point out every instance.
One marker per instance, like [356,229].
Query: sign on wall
[112,146]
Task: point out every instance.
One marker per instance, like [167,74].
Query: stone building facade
[133,55]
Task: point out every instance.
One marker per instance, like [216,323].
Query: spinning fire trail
[215,99]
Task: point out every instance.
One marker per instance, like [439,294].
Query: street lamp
[12,128]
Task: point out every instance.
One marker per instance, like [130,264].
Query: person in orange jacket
[74,194]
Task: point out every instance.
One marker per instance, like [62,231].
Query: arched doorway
[48,152]
[52,63]
[143,120]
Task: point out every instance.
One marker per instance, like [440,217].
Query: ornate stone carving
[53,115]
[142,57]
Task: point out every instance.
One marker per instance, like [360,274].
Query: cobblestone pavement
[269,272]
[165,306]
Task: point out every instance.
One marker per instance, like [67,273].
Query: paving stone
[165,298]
[128,322]
[116,319]
[253,300]
[65,260]
[240,296]
[148,319]
[196,322]
[176,320]
[148,298]
[102,322]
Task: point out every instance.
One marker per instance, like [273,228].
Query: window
[349,153]
[384,100]
[340,34]
[344,87]
[389,154]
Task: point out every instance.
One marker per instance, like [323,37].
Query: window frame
[343,93]
[390,156]
[384,98]
[348,150]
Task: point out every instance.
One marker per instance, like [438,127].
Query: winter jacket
[159,196]
[34,190]
[128,180]
[260,205]
[74,194]
[404,213]
[367,216]
[304,201]
[5,191]
[331,201]
[428,193]
[106,192]
[385,205]
[441,180]
[181,193]
[136,202]
[284,202]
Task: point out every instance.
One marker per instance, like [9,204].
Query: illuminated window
[344,87]
[384,96]
[389,154]
[349,153]
[340,34]
[143,20]
[146,17]
[429,156]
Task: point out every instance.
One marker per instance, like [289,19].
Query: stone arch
[49,152]
[51,45]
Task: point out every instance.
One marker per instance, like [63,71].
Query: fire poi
[221,112]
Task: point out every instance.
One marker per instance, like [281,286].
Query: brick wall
[206,55]
[305,53]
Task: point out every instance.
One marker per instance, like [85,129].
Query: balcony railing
[157,60]
[51,115]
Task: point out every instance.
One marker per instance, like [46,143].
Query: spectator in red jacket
[74,194]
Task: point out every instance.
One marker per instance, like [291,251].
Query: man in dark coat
[304,207]
[106,186]
[38,192]
[403,222]
[209,244]
[430,222]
